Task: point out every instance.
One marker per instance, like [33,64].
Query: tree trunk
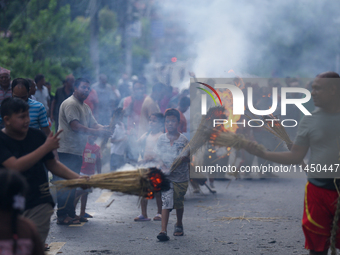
[94,26]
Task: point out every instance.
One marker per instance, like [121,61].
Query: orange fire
[156,181]
[227,101]
[150,195]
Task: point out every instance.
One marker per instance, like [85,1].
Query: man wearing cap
[5,84]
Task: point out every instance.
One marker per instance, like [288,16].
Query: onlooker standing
[165,99]
[61,94]
[147,143]
[91,163]
[51,95]
[132,106]
[33,89]
[5,84]
[124,86]
[150,105]
[37,112]
[77,121]
[118,142]
[92,101]
[108,97]
[42,94]
[184,104]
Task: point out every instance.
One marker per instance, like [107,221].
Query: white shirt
[43,97]
[119,133]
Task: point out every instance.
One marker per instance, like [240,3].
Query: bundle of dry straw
[216,135]
[229,139]
[141,182]
[274,126]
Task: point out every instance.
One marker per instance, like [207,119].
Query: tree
[47,42]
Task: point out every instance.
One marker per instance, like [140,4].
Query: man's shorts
[318,214]
[174,197]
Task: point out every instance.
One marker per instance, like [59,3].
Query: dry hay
[229,139]
[140,182]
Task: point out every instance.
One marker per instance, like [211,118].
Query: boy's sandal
[86,215]
[178,231]
[141,218]
[158,217]
[82,219]
[162,236]
[63,221]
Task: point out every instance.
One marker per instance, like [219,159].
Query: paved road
[276,206]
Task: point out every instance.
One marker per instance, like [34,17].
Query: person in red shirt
[91,162]
[92,101]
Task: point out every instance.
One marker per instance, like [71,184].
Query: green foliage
[48,42]
[49,37]
[107,19]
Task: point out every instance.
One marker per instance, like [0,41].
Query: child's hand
[52,141]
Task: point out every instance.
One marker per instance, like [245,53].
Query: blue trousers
[65,198]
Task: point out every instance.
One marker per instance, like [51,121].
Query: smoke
[259,37]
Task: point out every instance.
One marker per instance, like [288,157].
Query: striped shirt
[38,114]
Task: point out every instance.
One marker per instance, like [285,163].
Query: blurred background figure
[42,95]
[124,86]
[108,98]
[61,94]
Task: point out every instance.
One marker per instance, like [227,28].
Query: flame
[150,195]
[231,71]
[227,101]
[156,181]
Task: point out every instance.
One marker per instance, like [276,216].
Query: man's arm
[97,131]
[59,169]
[294,156]
[25,162]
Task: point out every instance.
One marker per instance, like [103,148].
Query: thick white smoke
[259,37]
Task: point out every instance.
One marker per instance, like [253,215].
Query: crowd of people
[148,130]
[29,145]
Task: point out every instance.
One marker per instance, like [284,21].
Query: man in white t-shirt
[41,93]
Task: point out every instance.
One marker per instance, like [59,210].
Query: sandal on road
[162,236]
[67,221]
[158,217]
[178,231]
[86,215]
[141,218]
[81,219]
